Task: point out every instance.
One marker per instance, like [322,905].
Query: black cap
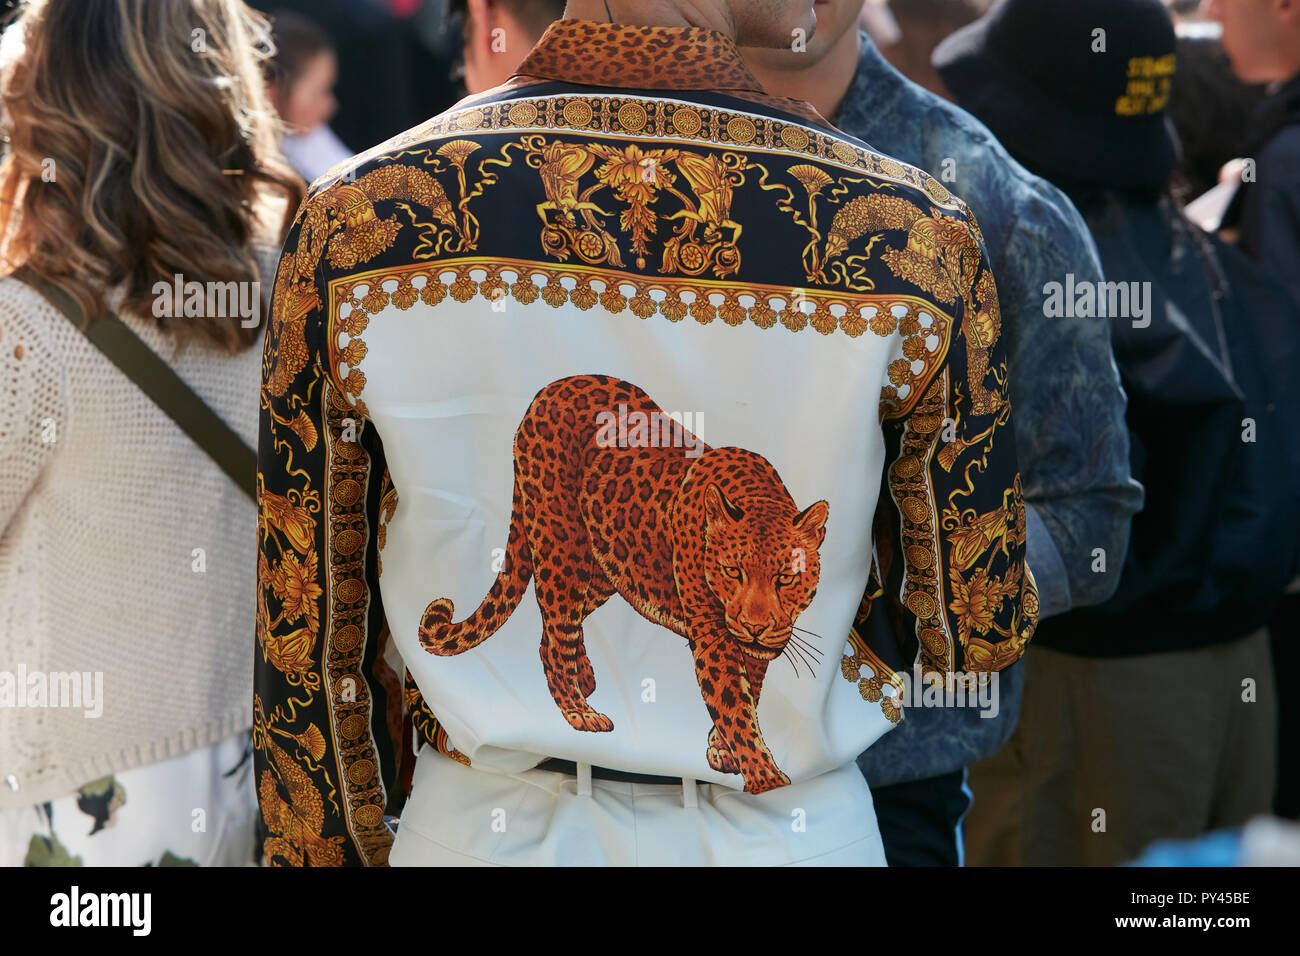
[1075,88]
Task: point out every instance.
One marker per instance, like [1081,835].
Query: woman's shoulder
[25,311]
[34,342]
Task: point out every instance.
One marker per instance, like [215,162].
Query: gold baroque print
[943,257]
[636,178]
[341,225]
[976,591]
[294,827]
[882,315]
[909,484]
[348,696]
[427,726]
[642,118]
[861,655]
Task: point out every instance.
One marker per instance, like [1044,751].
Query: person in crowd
[919,27]
[1070,432]
[301,80]
[386,78]
[624,643]
[1209,107]
[1262,40]
[498,34]
[1152,715]
[126,586]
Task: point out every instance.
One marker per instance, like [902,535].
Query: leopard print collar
[638,57]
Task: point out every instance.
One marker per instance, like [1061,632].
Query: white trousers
[458,816]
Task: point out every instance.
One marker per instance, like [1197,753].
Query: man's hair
[537,15]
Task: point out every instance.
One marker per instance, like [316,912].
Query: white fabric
[447,388]
[467,817]
[98,531]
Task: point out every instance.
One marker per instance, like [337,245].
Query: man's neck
[824,83]
[711,14]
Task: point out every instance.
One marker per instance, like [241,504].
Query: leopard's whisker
[790,660]
[796,653]
[805,646]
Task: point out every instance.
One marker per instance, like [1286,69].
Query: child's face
[311,98]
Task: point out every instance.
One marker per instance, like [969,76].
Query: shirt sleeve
[327,709]
[957,556]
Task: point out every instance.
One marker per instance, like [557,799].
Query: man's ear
[485,16]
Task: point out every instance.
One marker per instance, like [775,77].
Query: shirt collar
[588,53]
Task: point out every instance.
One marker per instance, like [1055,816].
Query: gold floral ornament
[305,429]
[813,179]
[339,224]
[871,686]
[294,582]
[864,214]
[943,257]
[457,152]
[292,301]
[635,178]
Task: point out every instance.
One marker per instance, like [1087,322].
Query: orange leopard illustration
[706,542]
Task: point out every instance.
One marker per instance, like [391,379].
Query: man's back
[606,369]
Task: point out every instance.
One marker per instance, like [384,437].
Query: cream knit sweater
[124,550]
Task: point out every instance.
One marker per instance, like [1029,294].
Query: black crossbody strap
[158,381]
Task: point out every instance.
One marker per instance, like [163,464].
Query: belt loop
[690,799]
[584,779]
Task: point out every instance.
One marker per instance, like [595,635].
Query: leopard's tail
[438,635]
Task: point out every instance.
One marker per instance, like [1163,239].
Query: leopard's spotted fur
[711,547]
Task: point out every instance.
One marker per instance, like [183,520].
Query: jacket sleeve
[326,707]
[1070,429]
[957,555]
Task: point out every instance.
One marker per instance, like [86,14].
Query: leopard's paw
[723,761]
[433,629]
[763,779]
[588,720]
[719,754]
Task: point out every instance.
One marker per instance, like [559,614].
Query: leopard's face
[762,563]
